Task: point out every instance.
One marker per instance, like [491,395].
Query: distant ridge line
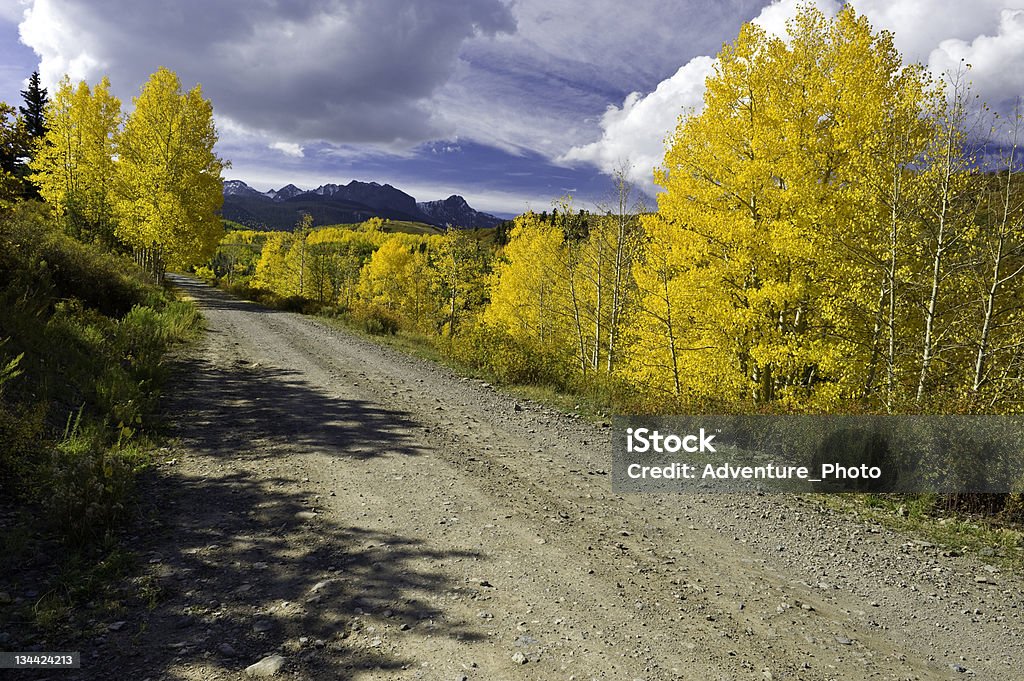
[281,209]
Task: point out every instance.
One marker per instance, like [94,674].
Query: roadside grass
[84,336]
[592,401]
[922,516]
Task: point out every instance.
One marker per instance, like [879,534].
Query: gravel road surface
[333,509]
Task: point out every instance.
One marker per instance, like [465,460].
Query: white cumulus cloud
[773,18]
[987,34]
[12,10]
[634,133]
[996,60]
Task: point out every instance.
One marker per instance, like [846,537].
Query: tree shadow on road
[213,298]
[236,573]
[244,407]
[235,564]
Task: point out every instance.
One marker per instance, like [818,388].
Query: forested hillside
[83,338]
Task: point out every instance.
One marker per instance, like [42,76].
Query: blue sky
[511,104]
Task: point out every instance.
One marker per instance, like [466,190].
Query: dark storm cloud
[342,71]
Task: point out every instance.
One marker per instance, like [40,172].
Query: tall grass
[83,340]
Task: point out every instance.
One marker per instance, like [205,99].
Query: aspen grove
[828,238]
[148,182]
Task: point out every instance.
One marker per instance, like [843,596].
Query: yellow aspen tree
[74,166]
[302,230]
[873,134]
[620,227]
[1000,280]
[728,179]
[764,210]
[947,228]
[398,279]
[346,251]
[669,354]
[322,258]
[272,271]
[525,282]
[574,305]
[169,184]
[458,266]
[596,269]
[238,253]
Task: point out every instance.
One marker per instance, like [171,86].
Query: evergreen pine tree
[35,105]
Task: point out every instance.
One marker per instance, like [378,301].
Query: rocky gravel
[334,509]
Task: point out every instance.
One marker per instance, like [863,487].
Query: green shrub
[87,487]
[120,399]
[142,338]
[260,295]
[38,259]
[293,304]
[378,321]
[181,320]
[205,273]
[511,360]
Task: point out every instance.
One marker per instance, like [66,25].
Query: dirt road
[365,515]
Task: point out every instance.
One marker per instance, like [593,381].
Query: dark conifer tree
[35,105]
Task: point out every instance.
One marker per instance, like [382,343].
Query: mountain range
[330,204]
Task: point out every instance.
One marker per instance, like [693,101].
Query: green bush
[37,258]
[87,487]
[378,321]
[511,360]
[181,319]
[260,295]
[142,339]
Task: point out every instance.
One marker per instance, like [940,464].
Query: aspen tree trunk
[876,338]
[302,263]
[571,250]
[941,244]
[613,320]
[576,317]
[997,281]
[986,325]
[622,261]
[927,352]
[890,369]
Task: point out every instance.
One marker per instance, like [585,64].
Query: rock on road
[334,509]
